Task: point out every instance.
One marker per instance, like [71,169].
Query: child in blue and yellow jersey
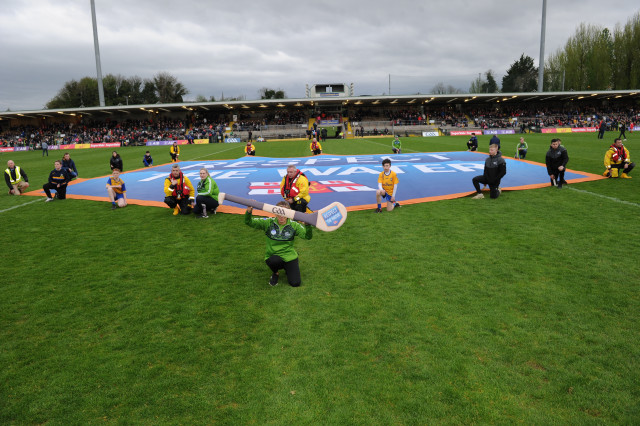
[387,187]
[117,190]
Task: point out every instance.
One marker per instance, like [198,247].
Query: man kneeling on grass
[280,254]
[116,190]
[494,170]
[178,191]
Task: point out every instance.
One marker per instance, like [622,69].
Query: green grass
[522,309]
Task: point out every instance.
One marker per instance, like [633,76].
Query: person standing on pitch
[494,170]
[178,191]
[396,146]
[16,178]
[387,187]
[174,152]
[207,198]
[117,190]
[280,253]
[295,189]
[556,160]
[58,180]
[622,127]
[315,147]
[472,143]
[617,161]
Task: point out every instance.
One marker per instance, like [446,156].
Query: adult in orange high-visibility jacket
[178,191]
[249,149]
[315,147]
[295,189]
[617,161]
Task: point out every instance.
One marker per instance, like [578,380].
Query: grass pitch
[521,309]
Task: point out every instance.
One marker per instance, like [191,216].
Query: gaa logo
[278,211]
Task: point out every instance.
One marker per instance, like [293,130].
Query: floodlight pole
[97,50]
[541,62]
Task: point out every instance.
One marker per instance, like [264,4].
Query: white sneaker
[48,199]
[478,196]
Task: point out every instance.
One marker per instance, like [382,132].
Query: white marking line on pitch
[15,207]
[378,143]
[617,200]
[215,153]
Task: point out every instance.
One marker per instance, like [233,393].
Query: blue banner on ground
[351,180]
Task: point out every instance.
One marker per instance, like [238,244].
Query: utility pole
[542,31]
[97,49]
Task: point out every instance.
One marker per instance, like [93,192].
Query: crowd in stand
[136,132]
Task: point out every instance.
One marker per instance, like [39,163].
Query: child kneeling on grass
[280,254]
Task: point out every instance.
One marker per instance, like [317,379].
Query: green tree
[489,85]
[76,94]
[167,88]
[266,93]
[476,85]
[522,76]
[554,69]
[148,94]
[626,61]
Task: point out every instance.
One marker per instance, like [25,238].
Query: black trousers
[61,192]
[292,269]
[171,201]
[621,168]
[493,189]
[210,204]
[559,178]
[299,206]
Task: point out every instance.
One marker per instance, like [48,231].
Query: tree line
[592,59]
[119,90]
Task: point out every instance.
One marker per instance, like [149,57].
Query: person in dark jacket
[147,160]
[58,180]
[556,160]
[116,161]
[494,170]
[69,166]
[472,144]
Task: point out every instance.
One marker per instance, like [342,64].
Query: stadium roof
[475,99]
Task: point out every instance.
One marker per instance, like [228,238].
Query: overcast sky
[237,47]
